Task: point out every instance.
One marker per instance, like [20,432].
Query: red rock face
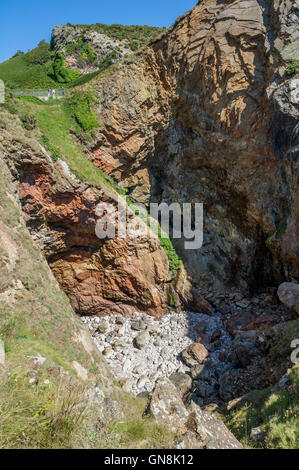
[101,277]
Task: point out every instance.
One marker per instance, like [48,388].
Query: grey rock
[256,434]
[288,294]
[204,389]
[138,325]
[242,353]
[212,431]
[142,339]
[167,406]
[182,382]
[103,328]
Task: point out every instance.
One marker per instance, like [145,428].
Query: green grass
[276,412]
[28,70]
[292,68]
[39,68]
[54,121]
[40,416]
[79,105]
[175,262]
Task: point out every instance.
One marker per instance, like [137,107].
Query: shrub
[292,68]
[58,70]
[28,121]
[17,54]
[55,153]
[79,104]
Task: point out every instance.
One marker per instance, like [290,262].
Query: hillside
[175,348]
[74,51]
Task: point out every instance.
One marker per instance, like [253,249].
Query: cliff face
[100,276]
[206,114]
[89,47]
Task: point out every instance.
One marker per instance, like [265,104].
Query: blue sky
[23,23]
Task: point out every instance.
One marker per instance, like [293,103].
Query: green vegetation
[83,79]
[82,48]
[39,68]
[292,68]
[57,125]
[54,152]
[276,412]
[28,70]
[134,36]
[79,105]
[137,432]
[175,261]
[40,416]
[59,72]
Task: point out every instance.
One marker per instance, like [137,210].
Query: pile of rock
[142,349]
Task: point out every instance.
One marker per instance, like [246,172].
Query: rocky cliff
[207,114]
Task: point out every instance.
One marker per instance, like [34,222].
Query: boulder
[138,325]
[288,294]
[201,327]
[212,431]
[242,353]
[142,339]
[103,327]
[204,389]
[194,354]
[182,382]
[203,305]
[167,406]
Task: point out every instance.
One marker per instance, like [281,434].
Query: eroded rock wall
[206,114]
[101,277]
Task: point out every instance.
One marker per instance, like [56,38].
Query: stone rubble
[142,349]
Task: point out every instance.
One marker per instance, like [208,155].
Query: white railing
[42,94]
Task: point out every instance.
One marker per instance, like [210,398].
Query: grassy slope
[276,412]
[28,70]
[56,123]
[51,411]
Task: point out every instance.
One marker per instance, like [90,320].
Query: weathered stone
[211,431]
[182,382]
[196,371]
[103,327]
[203,306]
[81,371]
[194,354]
[167,406]
[288,294]
[201,327]
[256,434]
[138,325]
[204,389]
[142,339]
[242,353]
